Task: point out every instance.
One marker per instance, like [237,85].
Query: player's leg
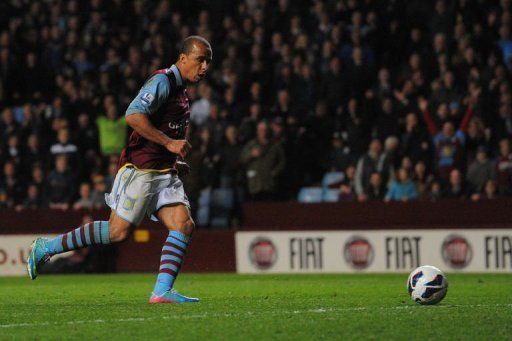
[171,207]
[177,219]
[127,200]
[98,232]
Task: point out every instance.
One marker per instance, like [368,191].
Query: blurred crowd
[408,99]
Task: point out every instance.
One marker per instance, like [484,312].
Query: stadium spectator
[60,184]
[112,130]
[476,136]
[99,188]
[5,201]
[111,171]
[415,142]
[314,142]
[11,184]
[386,123]
[37,178]
[200,109]
[8,126]
[339,156]
[85,202]
[230,167]
[372,162]
[392,153]
[33,155]
[217,124]
[334,84]
[480,171]
[209,158]
[33,199]
[422,178]
[435,193]
[504,168]
[456,187]
[64,146]
[86,135]
[264,163]
[347,187]
[247,130]
[13,150]
[449,142]
[490,190]
[502,127]
[356,127]
[376,189]
[402,189]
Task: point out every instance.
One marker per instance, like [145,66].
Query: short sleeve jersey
[164,100]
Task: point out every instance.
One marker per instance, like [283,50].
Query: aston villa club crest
[262,253]
[358,253]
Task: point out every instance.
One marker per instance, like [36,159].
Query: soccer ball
[427,285]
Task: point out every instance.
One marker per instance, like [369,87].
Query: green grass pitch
[252,307]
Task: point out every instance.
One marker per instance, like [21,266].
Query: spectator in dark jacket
[504,168]
[373,162]
[60,184]
[11,183]
[480,171]
[264,162]
[376,189]
[415,142]
[455,187]
[33,199]
[230,166]
[340,156]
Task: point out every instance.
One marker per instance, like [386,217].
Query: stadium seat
[18,114]
[205,197]
[310,195]
[332,178]
[222,203]
[203,211]
[331,195]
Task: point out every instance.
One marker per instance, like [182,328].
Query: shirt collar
[174,69]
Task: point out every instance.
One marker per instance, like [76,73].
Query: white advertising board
[479,250]
[14,251]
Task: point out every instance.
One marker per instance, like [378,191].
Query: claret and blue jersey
[163,98]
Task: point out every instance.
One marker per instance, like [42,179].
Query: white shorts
[136,192]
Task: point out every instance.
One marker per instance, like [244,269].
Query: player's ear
[182,57]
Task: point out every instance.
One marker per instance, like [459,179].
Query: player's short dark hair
[188,44]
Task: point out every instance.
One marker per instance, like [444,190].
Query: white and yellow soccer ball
[427,285]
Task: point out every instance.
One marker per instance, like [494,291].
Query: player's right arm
[147,102]
[141,124]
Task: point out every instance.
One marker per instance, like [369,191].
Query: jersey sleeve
[461,136]
[151,96]
[438,138]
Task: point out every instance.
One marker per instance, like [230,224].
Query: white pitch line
[248,313]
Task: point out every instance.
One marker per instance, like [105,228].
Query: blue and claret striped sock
[89,234]
[170,263]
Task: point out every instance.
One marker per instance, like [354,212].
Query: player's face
[197,63]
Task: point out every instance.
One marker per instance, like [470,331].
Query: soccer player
[147,181]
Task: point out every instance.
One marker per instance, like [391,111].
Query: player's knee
[187,227]
[118,232]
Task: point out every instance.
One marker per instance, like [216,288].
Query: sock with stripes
[170,263]
[89,234]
